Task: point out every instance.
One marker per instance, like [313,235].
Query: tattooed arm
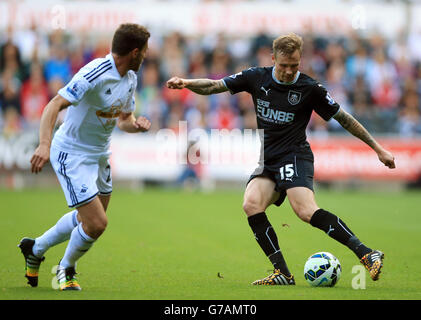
[349,123]
[199,86]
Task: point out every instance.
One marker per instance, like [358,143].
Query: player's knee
[97,227]
[303,212]
[252,206]
[102,225]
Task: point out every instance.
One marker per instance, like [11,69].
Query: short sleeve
[325,105]
[240,81]
[130,105]
[76,89]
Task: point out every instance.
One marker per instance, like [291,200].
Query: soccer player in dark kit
[284,99]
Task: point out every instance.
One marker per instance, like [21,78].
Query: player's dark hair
[129,36]
[287,44]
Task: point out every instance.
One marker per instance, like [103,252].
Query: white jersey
[98,95]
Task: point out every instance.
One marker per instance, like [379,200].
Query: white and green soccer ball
[322,269]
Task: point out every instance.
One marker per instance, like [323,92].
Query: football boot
[32,262]
[373,262]
[276,278]
[66,279]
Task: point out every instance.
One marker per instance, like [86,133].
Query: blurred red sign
[349,158]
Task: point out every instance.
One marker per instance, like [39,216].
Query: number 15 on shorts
[287,172]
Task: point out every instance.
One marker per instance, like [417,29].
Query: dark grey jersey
[282,110]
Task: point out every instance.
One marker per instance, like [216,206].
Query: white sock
[78,245]
[59,233]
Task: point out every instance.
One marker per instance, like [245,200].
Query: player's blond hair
[287,44]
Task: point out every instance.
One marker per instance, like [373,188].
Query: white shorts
[82,176]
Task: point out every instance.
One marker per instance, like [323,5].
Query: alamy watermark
[54,281]
[359,17]
[358,281]
[214,146]
[58,17]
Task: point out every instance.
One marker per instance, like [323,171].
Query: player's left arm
[349,123]
[199,86]
[129,123]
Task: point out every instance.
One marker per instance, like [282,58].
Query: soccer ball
[322,269]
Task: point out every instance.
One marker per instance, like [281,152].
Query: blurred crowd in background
[378,80]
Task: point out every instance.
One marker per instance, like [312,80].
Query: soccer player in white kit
[98,97]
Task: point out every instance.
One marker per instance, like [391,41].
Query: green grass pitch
[176,245]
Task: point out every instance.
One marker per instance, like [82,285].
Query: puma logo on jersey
[233,76]
[266,91]
[108,91]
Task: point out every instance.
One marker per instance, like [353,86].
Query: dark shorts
[293,170]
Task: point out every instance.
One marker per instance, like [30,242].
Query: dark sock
[338,230]
[268,241]
[358,247]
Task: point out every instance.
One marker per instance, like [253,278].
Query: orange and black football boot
[373,262]
[276,278]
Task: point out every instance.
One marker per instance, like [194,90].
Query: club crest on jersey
[294,97]
[83,189]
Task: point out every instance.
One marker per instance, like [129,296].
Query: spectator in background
[245,107]
[34,96]
[261,40]
[149,97]
[410,116]
[418,79]
[381,70]
[102,48]
[414,46]
[398,53]
[223,115]
[192,172]
[9,91]
[220,64]
[335,84]
[385,91]
[197,64]
[10,60]
[12,123]
[79,57]
[32,43]
[58,65]
[368,75]
[360,98]
[262,55]
[358,64]
[173,59]
[197,113]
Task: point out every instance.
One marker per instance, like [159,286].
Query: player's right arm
[48,121]
[199,86]
[349,123]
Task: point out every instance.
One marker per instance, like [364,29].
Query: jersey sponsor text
[266,113]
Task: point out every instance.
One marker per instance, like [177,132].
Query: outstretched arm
[199,86]
[48,121]
[349,123]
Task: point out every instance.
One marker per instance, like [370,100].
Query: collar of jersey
[110,56]
[284,83]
